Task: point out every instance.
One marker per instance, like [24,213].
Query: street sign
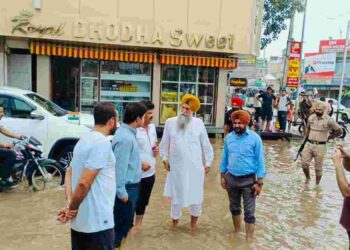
[238,82]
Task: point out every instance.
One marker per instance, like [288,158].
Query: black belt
[317,142]
[244,176]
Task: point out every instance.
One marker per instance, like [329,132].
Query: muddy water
[290,214]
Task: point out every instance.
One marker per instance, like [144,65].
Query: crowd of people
[108,185]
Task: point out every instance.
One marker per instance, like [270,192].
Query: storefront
[85,60]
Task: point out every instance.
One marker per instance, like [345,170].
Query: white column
[3,70]
[221,98]
[43,76]
[156,92]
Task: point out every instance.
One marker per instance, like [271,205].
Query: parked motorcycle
[31,167]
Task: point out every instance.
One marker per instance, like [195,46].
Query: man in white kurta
[187,155]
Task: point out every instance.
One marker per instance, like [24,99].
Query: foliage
[276,13]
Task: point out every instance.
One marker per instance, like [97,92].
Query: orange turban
[238,101]
[242,115]
[192,101]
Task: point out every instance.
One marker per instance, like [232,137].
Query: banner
[332,46]
[319,66]
[294,65]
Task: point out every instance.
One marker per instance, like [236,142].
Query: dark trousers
[103,240]
[282,119]
[238,187]
[124,213]
[8,157]
[146,186]
[258,112]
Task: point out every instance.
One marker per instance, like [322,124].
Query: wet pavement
[290,214]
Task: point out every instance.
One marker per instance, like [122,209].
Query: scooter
[31,167]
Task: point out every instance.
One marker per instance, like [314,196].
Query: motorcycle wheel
[345,118]
[343,134]
[301,129]
[54,177]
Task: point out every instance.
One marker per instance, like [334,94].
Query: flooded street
[290,214]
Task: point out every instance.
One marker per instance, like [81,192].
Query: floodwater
[290,214]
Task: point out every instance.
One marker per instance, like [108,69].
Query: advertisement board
[319,65]
[332,46]
[294,65]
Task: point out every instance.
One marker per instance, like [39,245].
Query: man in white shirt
[257,107]
[282,107]
[187,156]
[147,141]
[90,185]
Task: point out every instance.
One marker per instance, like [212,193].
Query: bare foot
[194,230]
[135,230]
[307,181]
[174,224]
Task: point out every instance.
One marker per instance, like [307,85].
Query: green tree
[276,14]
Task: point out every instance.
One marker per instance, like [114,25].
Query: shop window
[180,80]
[189,74]
[170,73]
[123,83]
[89,85]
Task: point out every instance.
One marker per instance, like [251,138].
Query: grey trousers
[238,187]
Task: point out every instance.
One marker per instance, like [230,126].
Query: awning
[219,62]
[51,49]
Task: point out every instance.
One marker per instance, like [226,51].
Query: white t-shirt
[283,101]
[146,142]
[94,151]
[256,103]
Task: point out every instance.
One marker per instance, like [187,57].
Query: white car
[344,114]
[29,114]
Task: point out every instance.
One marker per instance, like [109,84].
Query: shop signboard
[238,82]
[319,66]
[332,46]
[294,65]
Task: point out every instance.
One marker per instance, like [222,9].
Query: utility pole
[347,43]
[287,54]
[301,57]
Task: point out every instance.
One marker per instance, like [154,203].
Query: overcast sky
[325,18]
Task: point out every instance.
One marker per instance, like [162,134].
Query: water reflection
[290,214]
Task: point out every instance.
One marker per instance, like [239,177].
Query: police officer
[317,134]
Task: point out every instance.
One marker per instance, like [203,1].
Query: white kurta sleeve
[165,143]
[207,149]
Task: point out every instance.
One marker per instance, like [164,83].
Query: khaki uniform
[319,132]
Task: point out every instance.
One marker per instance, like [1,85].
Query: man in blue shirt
[242,162]
[127,169]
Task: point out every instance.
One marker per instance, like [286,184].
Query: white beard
[183,121]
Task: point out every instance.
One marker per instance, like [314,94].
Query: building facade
[78,53]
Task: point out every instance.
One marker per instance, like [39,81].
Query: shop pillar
[156,91]
[43,76]
[221,98]
[3,70]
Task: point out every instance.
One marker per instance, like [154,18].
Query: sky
[324,19]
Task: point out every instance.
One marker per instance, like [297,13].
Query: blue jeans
[124,213]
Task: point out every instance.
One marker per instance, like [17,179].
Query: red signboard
[294,65]
[332,46]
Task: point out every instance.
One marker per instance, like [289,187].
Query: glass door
[65,82]
[89,85]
